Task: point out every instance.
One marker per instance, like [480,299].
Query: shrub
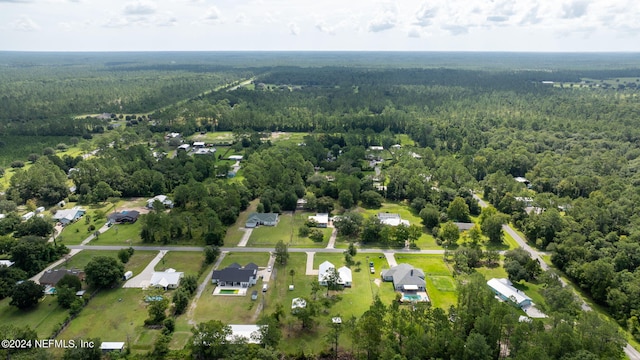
[17,164]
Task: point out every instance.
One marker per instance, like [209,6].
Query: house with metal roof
[392,219]
[504,290]
[162,198]
[169,279]
[345,277]
[405,278]
[236,276]
[267,219]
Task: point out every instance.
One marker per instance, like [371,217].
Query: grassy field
[43,318]
[426,241]
[234,234]
[114,315]
[120,234]
[186,261]
[441,285]
[81,259]
[287,231]
[75,233]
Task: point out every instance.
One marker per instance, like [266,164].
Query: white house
[198,144]
[108,346]
[322,219]
[235,157]
[162,198]
[392,219]
[248,333]
[184,147]
[376,148]
[169,279]
[503,288]
[68,216]
[6,263]
[345,277]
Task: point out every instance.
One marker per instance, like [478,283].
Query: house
[40,209]
[405,277]
[28,215]
[104,116]
[235,157]
[68,216]
[376,148]
[198,144]
[527,201]
[345,277]
[127,216]
[396,146]
[464,226]
[522,180]
[236,276]
[246,333]
[504,290]
[321,219]
[255,219]
[109,346]
[162,198]
[169,279]
[204,151]
[172,135]
[298,303]
[184,147]
[392,219]
[51,277]
[6,263]
[301,204]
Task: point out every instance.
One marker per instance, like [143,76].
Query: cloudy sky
[416,25]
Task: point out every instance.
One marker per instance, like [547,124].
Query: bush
[303,231]
[62,146]
[48,151]
[17,164]
[124,255]
[91,227]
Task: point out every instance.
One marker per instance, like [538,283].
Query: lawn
[136,263]
[120,234]
[188,262]
[75,233]
[441,286]
[43,318]
[259,258]
[114,315]
[426,241]
[234,234]
[287,231]
[81,259]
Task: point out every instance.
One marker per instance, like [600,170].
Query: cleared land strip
[252,249]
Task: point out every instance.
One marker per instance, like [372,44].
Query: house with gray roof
[405,278]
[255,219]
[51,277]
[236,276]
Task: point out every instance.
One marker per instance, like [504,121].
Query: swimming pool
[228,291]
[411,297]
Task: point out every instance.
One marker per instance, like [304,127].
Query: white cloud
[16,1]
[385,19]
[212,16]
[241,18]
[294,29]
[139,8]
[426,14]
[414,33]
[325,28]
[575,9]
[456,29]
[166,19]
[24,23]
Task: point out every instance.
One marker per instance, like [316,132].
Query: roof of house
[298,303]
[129,215]
[234,273]
[405,274]
[392,219]
[184,147]
[464,226]
[198,143]
[51,277]
[112,345]
[324,269]
[250,333]
[204,151]
[235,157]
[161,198]
[6,263]
[345,274]
[262,217]
[320,218]
[505,288]
[165,278]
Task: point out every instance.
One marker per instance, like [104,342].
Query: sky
[320,25]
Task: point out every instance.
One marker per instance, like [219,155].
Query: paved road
[252,249]
[629,350]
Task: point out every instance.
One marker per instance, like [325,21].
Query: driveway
[245,236]
[310,270]
[391,259]
[142,280]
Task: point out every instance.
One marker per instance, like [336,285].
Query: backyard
[426,241]
[441,286]
[43,318]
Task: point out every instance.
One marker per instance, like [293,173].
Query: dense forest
[578,147]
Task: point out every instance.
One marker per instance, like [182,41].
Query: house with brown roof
[51,277]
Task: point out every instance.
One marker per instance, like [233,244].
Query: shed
[109,346]
[128,275]
[40,209]
[28,216]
